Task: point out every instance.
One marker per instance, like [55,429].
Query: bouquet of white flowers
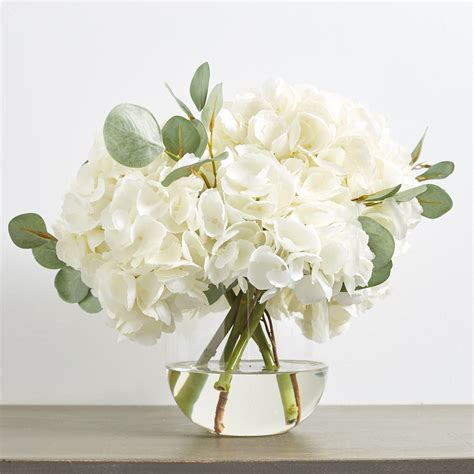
[291,199]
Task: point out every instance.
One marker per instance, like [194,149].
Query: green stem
[194,383]
[285,385]
[173,377]
[261,341]
[239,322]
[220,334]
[190,391]
[288,399]
[223,383]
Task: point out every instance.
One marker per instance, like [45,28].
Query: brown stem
[223,383]
[296,389]
[203,177]
[271,335]
[43,235]
[220,410]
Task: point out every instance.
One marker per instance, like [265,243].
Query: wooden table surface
[363,439]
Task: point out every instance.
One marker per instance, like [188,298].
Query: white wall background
[66,65]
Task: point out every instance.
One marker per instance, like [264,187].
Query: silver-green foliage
[435,201]
[90,304]
[186,170]
[69,285]
[380,195]
[410,194]
[198,125]
[132,135]
[382,244]
[200,85]
[213,105]
[28,231]
[180,137]
[415,154]
[180,103]
[46,255]
[439,170]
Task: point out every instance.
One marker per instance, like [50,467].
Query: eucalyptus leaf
[380,195]
[90,304]
[198,125]
[435,201]
[132,135]
[181,104]
[379,275]
[440,170]
[46,255]
[213,105]
[415,154]
[381,241]
[410,194]
[186,170]
[69,285]
[180,136]
[28,231]
[200,86]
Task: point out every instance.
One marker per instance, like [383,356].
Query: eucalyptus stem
[210,147]
[203,177]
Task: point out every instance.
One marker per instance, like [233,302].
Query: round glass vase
[239,373]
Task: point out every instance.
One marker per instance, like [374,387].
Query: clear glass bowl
[260,402]
[257,397]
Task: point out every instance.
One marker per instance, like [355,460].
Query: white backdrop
[66,65]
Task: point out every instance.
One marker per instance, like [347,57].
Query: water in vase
[258,402]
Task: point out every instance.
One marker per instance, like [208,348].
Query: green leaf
[69,285]
[381,241]
[180,136]
[382,244]
[181,104]
[213,106]
[440,170]
[214,293]
[379,275]
[409,194]
[46,255]
[28,231]
[188,169]
[132,135]
[435,201]
[202,135]
[380,195]
[200,85]
[90,304]
[415,154]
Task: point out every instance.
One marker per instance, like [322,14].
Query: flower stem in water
[194,383]
[285,386]
[223,383]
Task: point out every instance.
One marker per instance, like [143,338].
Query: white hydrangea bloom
[282,216]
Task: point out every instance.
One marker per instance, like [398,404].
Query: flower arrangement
[293,199]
